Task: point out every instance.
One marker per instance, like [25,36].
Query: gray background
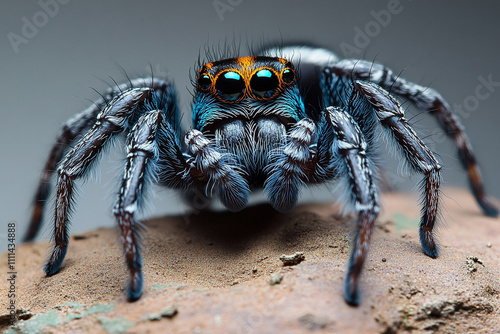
[447,45]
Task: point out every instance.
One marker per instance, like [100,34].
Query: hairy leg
[345,148]
[78,161]
[427,99]
[416,153]
[77,126]
[334,148]
[70,130]
[141,167]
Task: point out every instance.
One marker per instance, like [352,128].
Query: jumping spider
[289,117]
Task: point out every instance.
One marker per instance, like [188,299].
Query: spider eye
[230,86]
[264,83]
[204,81]
[288,75]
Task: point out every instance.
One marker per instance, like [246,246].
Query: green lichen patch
[401,222]
[36,324]
[97,308]
[116,326]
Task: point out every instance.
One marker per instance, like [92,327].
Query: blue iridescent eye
[264,84]
[204,81]
[230,86]
[288,75]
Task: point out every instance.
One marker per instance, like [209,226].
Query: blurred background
[55,52]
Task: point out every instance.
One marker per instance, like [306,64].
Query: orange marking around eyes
[246,62]
[243,66]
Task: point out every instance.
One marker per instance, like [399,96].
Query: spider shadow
[234,231]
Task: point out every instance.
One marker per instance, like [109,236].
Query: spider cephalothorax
[276,123]
[247,105]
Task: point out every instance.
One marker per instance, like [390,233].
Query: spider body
[278,121]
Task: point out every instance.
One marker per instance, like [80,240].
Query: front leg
[342,151]
[335,148]
[141,167]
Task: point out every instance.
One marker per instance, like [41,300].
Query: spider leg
[430,100]
[420,158]
[73,128]
[141,166]
[70,130]
[153,154]
[111,120]
[334,148]
[347,158]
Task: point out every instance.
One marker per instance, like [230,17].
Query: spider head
[246,88]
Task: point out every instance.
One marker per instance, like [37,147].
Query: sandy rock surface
[222,273]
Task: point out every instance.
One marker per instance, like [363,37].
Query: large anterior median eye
[230,86]
[264,83]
